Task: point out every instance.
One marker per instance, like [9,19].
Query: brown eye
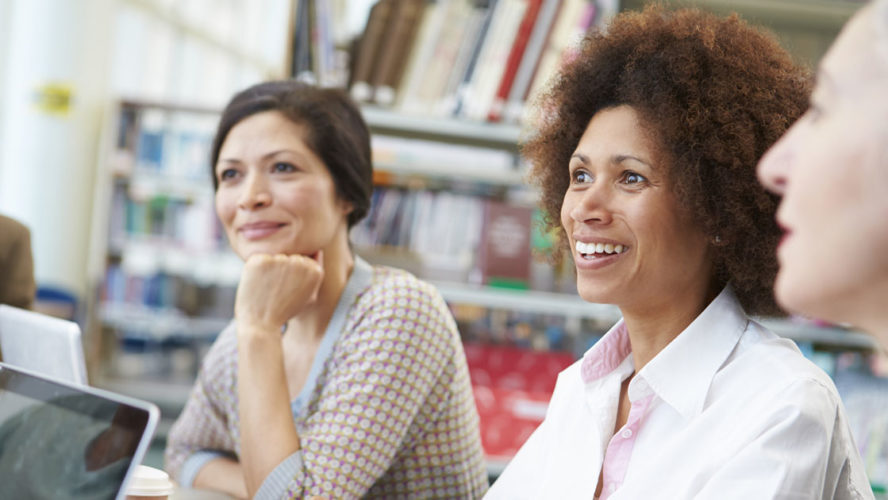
[633,178]
[580,176]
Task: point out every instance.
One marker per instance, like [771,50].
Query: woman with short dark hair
[645,157]
[336,378]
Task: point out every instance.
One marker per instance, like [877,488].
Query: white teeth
[593,248]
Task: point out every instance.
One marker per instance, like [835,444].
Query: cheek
[223,206]
[567,204]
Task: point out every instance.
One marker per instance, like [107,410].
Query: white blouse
[727,410]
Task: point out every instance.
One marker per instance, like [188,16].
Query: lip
[260,229]
[787,232]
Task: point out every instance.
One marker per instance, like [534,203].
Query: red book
[514,60]
[505,245]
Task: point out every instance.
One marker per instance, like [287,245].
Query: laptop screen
[61,441]
[42,344]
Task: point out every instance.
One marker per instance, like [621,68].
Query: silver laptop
[43,344]
[60,440]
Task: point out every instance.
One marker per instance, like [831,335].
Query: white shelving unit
[381,120]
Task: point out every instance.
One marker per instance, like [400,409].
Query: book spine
[516,55]
[529,63]
[368,50]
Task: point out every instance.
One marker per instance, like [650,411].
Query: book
[516,54]
[301,51]
[570,26]
[542,30]
[368,50]
[490,67]
[402,29]
[447,103]
[464,85]
[505,252]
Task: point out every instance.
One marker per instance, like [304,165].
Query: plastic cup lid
[148,481]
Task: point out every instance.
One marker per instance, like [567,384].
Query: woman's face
[275,195]
[632,242]
[832,170]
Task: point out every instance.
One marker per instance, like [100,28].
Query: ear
[345,207]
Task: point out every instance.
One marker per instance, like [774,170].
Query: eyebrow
[266,156]
[616,159]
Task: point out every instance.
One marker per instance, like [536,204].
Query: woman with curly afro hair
[646,160]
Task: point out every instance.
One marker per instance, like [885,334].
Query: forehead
[265,128]
[616,128]
[855,62]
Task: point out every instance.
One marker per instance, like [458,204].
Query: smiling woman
[645,156]
[366,393]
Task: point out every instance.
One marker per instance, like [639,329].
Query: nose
[593,205]
[254,193]
[774,167]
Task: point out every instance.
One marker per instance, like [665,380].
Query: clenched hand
[274,288]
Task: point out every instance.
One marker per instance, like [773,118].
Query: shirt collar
[683,371]
[606,355]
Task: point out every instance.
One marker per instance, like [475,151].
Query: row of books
[520,329]
[196,52]
[165,291]
[461,233]
[474,59]
[192,225]
[175,144]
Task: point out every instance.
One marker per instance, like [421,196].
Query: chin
[594,294]
[803,300]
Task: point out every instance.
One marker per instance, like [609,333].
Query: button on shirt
[727,410]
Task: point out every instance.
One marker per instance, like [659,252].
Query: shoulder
[771,370]
[395,291]
[400,308]
[12,230]
[12,226]
[389,283]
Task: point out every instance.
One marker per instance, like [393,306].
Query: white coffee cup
[149,483]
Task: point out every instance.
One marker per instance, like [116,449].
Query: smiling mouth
[598,250]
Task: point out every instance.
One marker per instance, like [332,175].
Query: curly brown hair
[717,93]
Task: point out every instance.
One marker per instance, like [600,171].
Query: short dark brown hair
[716,93]
[337,133]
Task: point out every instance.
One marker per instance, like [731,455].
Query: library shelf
[825,337]
[532,301]
[159,324]
[452,130]
[470,173]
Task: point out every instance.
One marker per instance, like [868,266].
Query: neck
[339,262]
[652,327]
[868,313]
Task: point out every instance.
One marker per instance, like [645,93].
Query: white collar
[682,372]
